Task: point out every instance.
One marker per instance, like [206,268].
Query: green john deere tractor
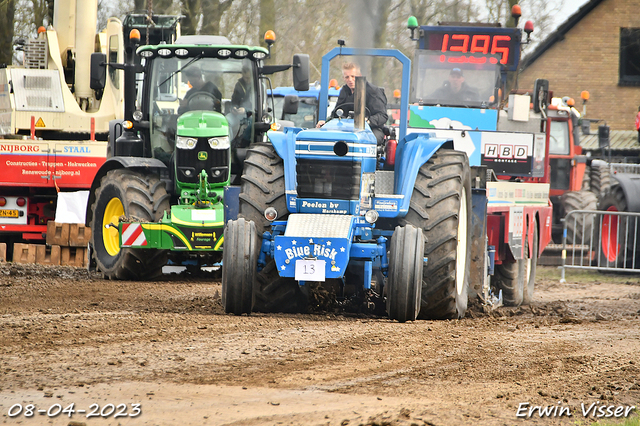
[167,185]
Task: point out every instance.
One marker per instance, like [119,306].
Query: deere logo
[202,155]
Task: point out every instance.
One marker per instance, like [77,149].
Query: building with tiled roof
[596,49]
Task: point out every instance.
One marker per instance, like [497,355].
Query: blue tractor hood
[339,130]
[335,152]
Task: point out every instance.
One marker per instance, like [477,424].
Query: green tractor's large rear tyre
[238,278]
[441,207]
[136,196]
[404,285]
[262,187]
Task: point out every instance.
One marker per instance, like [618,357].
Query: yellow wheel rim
[110,236]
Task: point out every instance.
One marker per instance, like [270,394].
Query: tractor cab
[567,165]
[203,101]
[443,79]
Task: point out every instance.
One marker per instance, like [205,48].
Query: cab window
[559,138]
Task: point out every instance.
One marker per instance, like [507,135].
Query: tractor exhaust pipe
[359,101]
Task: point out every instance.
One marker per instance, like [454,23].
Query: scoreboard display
[474,40]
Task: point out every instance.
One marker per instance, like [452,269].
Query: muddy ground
[71,339]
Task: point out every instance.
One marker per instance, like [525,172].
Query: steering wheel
[202,101]
[350,106]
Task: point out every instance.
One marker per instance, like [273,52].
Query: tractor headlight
[219,143]
[371,216]
[184,142]
[271,214]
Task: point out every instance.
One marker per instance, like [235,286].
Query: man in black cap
[455,89]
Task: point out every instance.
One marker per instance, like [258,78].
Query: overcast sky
[569,8]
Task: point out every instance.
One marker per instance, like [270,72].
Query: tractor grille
[328,179]
[189,163]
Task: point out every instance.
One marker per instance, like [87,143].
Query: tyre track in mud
[72,334]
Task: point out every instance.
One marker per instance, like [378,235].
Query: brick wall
[588,59]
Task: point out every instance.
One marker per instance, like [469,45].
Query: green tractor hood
[202,124]
[202,156]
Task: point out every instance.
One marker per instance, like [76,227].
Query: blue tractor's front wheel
[404,285]
[238,274]
[263,187]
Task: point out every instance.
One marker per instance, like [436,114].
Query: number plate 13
[310,270]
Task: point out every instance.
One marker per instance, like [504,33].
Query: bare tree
[303,26]
[42,12]
[191,11]
[213,11]
[240,22]
[164,7]
[268,22]
[7,12]
[378,71]
[324,25]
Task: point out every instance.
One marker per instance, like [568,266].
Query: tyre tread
[273,292]
[435,197]
[146,199]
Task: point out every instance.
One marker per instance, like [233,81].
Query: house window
[629,57]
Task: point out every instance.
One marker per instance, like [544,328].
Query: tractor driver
[455,89]
[241,97]
[376,101]
[239,117]
[198,84]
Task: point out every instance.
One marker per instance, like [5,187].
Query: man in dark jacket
[455,89]
[376,101]
[198,84]
[243,90]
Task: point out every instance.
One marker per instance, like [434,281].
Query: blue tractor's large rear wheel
[238,279]
[262,187]
[441,207]
[404,285]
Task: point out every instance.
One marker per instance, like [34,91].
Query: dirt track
[70,337]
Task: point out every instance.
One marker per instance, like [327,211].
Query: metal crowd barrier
[625,168]
[601,240]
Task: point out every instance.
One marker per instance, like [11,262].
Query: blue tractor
[463,197]
[322,208]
